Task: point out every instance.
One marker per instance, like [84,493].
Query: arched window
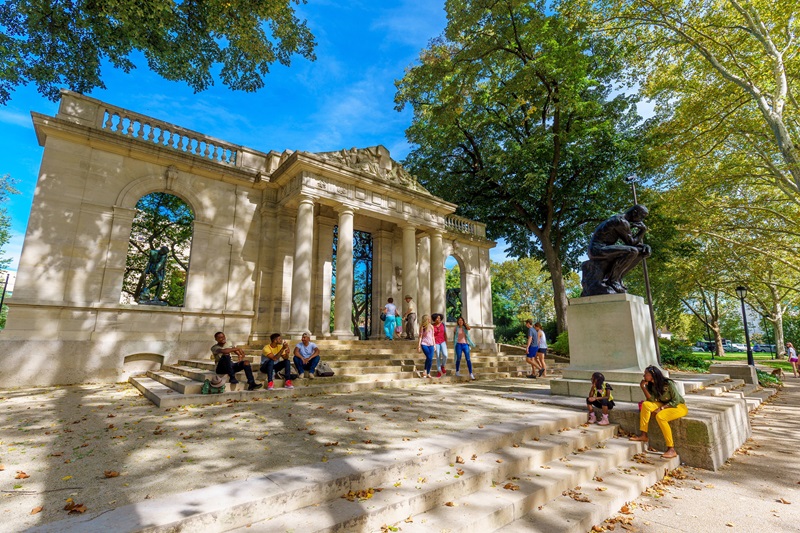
[158,251]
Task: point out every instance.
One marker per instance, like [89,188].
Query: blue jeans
[463,348]
[388,327]
[226,366]
[268,368]
[441,354]
[428,351]
[308,367]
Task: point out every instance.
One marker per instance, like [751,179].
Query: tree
[6,189]
[55,44]
[724,69]
[161,220]
[514,120]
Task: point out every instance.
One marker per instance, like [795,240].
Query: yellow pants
[662,417]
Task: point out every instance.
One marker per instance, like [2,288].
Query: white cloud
[413,22]
[16,119]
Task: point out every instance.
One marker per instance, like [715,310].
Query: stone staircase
[359,365]
[548,472]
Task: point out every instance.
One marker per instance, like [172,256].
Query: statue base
[152,302]
[612,334]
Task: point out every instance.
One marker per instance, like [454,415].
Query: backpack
[208,389]
[324,370]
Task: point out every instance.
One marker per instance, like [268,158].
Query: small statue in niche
[157,267]
[615,248]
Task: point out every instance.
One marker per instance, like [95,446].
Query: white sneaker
[472,377]
[458,374]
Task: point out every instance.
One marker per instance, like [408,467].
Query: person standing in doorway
[410,317]
[389,324]
[440,337]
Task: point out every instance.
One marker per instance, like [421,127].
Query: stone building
[261,252]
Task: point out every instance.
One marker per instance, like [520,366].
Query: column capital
[305,199]
[434,232]
[344,209]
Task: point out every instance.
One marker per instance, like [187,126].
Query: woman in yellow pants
[664,400]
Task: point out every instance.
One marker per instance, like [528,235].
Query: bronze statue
[157,266]
[609,261]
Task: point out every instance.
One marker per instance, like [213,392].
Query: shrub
[561,346]
[678,356]
[765,379]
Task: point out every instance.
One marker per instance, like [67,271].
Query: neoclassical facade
[261,257]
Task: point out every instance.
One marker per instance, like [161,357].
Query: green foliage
[676,355]
[517,120]
[3,316]
[161,220]
[6,189]
[765,379]
[561,346]
[56,44]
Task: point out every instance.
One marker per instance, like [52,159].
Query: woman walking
[426,343]
[389,323]
[463,343]
[790,351]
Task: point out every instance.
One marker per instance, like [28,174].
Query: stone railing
[97,114]
[465,225]
[135,126]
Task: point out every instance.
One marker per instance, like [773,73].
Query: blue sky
[343,99]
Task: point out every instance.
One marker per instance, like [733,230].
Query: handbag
[324,370]
[383,317]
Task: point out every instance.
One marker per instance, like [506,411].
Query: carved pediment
[376,162]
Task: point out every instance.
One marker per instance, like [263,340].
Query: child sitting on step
[599,396]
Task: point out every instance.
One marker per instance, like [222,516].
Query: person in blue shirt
[306,356]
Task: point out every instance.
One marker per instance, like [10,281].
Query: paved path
[746,494]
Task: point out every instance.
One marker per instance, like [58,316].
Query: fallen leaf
[499,461]
[408,520]
[784,501]
[459,460]
[36,510]
[110,473]
[450,504]
[78,509]
[66,478]
[598,479]
[368,442]
[312,432]
[511,486]
[474,457]
[729,524]
[515,445]
[601,489]
[480,426]
[336,443]
[351,419]
[460,472]
[21,475]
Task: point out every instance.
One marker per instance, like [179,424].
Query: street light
[631,180]
[741,292]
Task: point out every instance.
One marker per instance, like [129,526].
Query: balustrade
[146,129]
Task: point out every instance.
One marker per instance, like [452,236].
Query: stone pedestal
[609,333]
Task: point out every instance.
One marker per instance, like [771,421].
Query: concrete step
[618,486]
[176,382]
[237,504]
[720,387]
[495,507]
[410,496]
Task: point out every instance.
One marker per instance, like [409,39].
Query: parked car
[764,348]
[736,347]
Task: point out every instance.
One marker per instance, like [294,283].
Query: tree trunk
[554,267]
[718,349]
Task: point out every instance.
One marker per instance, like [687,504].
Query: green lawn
[759,357]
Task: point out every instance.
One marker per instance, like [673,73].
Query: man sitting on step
[276,354]
[306,356]
[225,366]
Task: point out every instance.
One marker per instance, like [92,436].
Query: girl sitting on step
[664,400]
[599,396]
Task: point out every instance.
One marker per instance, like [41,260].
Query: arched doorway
[157,263]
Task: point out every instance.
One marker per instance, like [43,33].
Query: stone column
[438,303]
[409,261]
[301,268]
[343,305]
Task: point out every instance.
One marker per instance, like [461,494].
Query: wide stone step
[618,486]
[237,504]
[495,507]
[176,382]
[431,486]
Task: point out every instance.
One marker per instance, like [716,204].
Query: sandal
[639,438]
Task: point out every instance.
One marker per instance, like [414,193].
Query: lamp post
[632,179]
[741,292]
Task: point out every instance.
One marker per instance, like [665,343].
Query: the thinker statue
[157,267]
[614,250]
